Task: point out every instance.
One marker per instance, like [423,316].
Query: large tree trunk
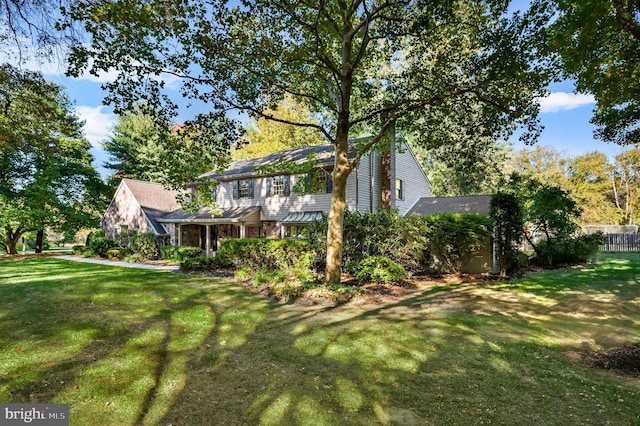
[39,240]
[11,240]
[339,175]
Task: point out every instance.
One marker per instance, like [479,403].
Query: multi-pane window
[399,189]
[278,185]
[243,188]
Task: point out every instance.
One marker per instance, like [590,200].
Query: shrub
[80,250]
[146,245]
[115,252]
[572,250]
[286,290]
[181,253]
[458,237]
[200,263]
[100,245]
[263,253]
[380,270]
[381,234]
[134,258]
[506,211]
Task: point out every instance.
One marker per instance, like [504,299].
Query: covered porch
[201,229]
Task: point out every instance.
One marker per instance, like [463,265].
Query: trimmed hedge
[198,263]
[181,253]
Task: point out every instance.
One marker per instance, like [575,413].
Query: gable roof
[463,204]
[154,200]
[246,168]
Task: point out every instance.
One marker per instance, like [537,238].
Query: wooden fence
[621,242]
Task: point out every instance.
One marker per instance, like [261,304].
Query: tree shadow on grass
[153,348]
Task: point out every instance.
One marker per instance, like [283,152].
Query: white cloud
[98,123]
[558,101]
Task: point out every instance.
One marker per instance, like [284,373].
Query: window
[294,231]
[399,189]
[278,185]
[243,188]
[320,181]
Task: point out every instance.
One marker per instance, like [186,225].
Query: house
[252,203]
[137,205]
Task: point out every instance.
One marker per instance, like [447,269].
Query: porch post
[179,234]
[242,230]
[208,243]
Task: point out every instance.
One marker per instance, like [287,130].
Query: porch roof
[302,217]
[204,216]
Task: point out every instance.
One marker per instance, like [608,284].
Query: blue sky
[564,114]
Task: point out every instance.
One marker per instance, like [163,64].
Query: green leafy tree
[46,175]
[598,42]
[265,136]
[590,180]
[625,182]
[550,217]
[367,65]
[464,168]
[542,163]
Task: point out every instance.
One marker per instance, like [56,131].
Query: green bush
[402,239]
[100,245]
[263,253]
[181,253]
[458,237]
[114,252]
[572,250]
[99,233]
[146,245]
[380,270]
[200,263]
[134,258]
[78,249]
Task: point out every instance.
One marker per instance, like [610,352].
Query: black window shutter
[287,185]
[269,186]
[250,182]
[329,183]
[235,189]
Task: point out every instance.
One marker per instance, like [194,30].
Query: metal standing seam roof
[302,217]
[204,216]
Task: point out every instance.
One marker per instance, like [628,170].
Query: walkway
[171,268]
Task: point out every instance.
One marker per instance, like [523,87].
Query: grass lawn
[127,346]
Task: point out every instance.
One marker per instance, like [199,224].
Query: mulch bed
[623,360]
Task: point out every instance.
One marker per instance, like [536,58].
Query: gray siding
[416,184]
[274,207]
[363,190]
